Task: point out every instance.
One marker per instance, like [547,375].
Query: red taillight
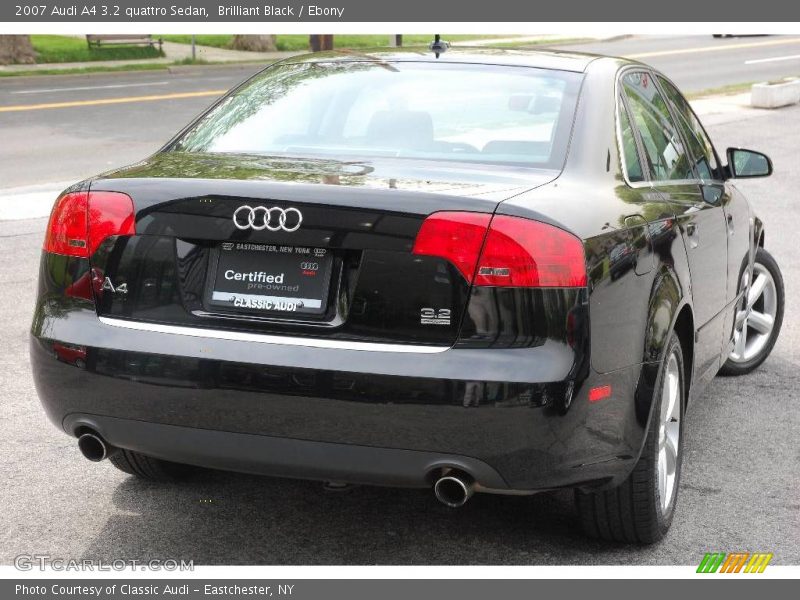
[524,253]
[67,229]
[514,252]
[80,221]
[454,236]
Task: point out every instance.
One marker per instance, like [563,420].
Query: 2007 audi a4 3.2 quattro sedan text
[473,270]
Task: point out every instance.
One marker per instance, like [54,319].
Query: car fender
[668,300]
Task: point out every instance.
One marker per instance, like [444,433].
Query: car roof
[543,59]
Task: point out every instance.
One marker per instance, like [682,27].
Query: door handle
[693,235]
[729,220]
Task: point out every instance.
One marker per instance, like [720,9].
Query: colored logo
[734,562]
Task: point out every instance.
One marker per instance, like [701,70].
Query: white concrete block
[775,95]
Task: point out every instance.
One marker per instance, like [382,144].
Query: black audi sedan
[471,270]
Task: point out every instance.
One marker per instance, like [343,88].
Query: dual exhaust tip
[94,448]
[453,489]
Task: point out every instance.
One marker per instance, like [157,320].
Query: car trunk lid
[339,265]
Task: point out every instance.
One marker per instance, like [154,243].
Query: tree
[254,43]
[16,49]
[320,43]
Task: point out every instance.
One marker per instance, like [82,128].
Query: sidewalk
[724,104]
[173,53]
[176,52]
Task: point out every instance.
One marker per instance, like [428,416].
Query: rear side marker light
[80,221]
[504,251]
[599,393]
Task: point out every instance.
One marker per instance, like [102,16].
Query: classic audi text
[472,270]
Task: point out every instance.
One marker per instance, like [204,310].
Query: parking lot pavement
[740,485]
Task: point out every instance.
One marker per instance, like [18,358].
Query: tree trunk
[320,43]
[254,43]
[16,49]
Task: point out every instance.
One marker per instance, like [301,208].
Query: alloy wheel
[669,432]
[756,318]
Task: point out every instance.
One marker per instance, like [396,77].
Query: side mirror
[748,163]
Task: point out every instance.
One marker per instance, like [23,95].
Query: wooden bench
[96,41]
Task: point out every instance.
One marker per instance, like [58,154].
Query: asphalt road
[63,144]
[741,475]
[702,62]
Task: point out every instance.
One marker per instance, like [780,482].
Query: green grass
[298,43]
[61,48]
[725,90]
[729,90]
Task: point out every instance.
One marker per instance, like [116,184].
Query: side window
[666,155]
[630,154]
[700,145]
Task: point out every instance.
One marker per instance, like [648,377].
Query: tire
[147,467]
[634,511]
[758,343]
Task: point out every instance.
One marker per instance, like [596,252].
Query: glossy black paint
[509,388]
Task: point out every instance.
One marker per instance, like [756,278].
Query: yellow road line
[102,101]
[715,48]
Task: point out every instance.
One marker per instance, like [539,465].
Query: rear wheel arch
[670,311]
[667,299]
[684,329]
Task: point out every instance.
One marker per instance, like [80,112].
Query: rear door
[717,192]
[699,214]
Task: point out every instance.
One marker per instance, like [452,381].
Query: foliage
[62,48]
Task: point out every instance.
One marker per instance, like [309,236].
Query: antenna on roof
[438,46]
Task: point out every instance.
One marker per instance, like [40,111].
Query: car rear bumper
[282,457]
[511,418]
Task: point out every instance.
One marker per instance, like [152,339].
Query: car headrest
[405,128]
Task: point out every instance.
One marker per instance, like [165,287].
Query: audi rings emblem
[271,219]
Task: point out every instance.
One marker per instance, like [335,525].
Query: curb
[171,69]
[617,38]
[240,66]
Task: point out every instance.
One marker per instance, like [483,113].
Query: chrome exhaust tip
[93,447]
[453,490]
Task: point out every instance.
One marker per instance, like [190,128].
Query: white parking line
[91,87]
[756,61]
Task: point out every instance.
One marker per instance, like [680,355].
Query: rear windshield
[467,113]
